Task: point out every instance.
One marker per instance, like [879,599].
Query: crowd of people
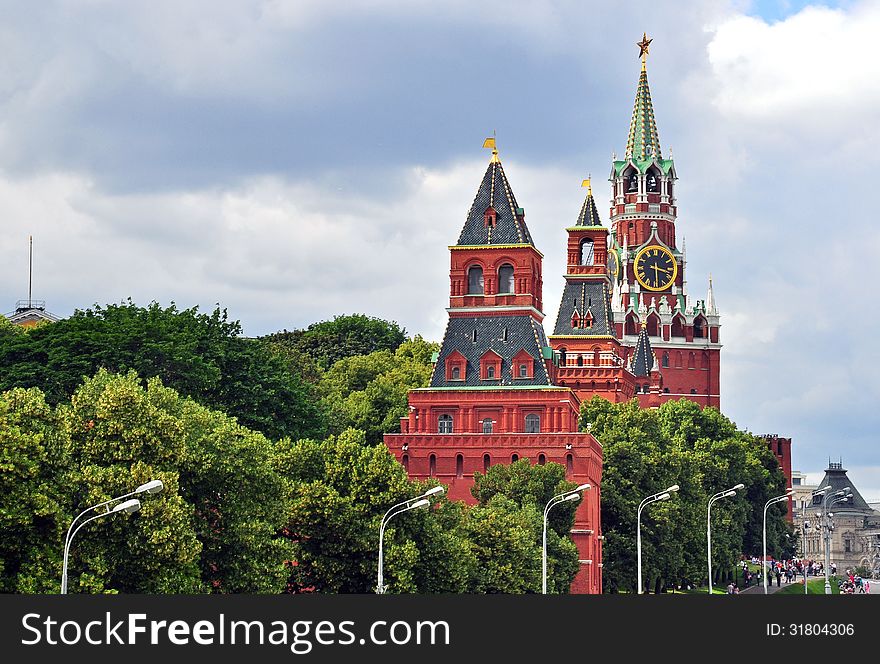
[793,570]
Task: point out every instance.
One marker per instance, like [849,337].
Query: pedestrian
[730,588]
[778,578]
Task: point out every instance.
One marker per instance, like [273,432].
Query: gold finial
[490,143]
[587,183]
[643,47]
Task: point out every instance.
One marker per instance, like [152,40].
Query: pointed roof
[510,222]
[586,299]
[643,359]
[643,142]
[835,476]
[589,215]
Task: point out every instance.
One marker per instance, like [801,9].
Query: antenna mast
[30,269]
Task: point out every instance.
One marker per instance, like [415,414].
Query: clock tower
[650,284]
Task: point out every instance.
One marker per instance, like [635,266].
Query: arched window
[653,325]
[475,280]
[632,182]
[704,362]
[542,459]
[586,251]
[563,359]
[514,457]
[678,360]
[632,324]
[665,390]
[490,372]
[569,464]
[486,462]
[456,373]
[677,327]
[580,360]
[459,465]
[665,362]
[444,424]
[523,371]
[693,391]
[405,461]
[533,423]
[652,182]
[505,279]
[699,327]
[432,465]
[487,425]
[690,360]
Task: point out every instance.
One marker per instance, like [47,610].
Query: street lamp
[574,494]
[777,499]
[129,506]
[399,508]
[657,497]
[718,496]
[826,528]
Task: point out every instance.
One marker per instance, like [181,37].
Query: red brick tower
[588,357]
[648,269]
[491,398]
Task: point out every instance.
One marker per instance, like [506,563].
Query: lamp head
[739,486]
[664,496]
[433,491]
[424,502]
[672,489]
[153,486]
[729,494]
[572,496]
[129,506]
[584,487]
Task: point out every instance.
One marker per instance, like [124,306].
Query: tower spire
[711,308]
[643,142]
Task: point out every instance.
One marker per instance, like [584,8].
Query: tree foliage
[342,487]
[647,450]
[369,392]
[214,528]
[200,355]
[328,342]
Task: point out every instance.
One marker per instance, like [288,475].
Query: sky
[292,161]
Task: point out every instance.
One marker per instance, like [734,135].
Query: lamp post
[574,494]
[657,497]
[777,499]
[838,496]
[718,496]
[399,508]
[129,506]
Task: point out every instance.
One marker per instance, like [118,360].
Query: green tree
[214,527]
[328,342]
[646,450]
[199,355]
[507,528]
[370,392]
[33,510]
[340,488]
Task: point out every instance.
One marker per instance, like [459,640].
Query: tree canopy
[647,450]
[202,356]
[327,342]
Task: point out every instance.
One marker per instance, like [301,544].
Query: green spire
[643,142]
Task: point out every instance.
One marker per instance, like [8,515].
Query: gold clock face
[613,264]
[655,268]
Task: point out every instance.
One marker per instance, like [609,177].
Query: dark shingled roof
[643,358]
[835,475]
[582,296]
[523,333]
[589,215]
[510,225]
